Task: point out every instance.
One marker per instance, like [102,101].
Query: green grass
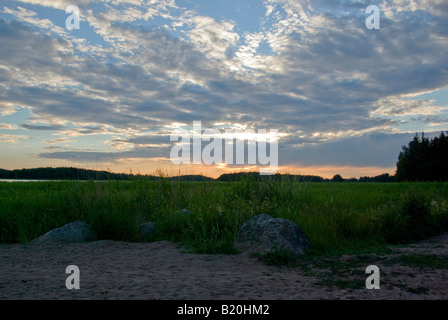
[337,217]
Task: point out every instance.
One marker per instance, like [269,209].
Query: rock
[263,233]
[148,230]
[77,231]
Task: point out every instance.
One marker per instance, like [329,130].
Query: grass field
[338,217]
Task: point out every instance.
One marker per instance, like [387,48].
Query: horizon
[343,93]
[165,174]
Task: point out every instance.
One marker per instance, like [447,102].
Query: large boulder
[77,231]
[263,234]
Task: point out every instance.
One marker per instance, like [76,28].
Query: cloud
[89,156]
[57,140]
[46,128]
[211,37]
[30,17]
[396,107]
[7,108]
[12,138]
[8,126]
[60,4]
[352,151]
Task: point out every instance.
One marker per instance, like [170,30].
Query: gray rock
[148,230]
[77,231]
[263,233]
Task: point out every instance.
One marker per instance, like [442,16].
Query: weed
[338,218]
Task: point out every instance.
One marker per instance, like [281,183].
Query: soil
[161,270]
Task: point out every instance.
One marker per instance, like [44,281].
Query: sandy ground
[120,270]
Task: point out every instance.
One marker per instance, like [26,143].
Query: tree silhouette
[337,178]
[424,159]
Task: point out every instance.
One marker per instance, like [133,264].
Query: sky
[344,98]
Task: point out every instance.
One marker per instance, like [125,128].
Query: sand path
[121,270]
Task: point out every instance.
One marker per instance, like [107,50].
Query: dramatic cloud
[340,94]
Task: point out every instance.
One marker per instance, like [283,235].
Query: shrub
[410,221]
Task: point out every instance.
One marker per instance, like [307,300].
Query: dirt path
[120,270]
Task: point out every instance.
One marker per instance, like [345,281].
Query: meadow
[338,217]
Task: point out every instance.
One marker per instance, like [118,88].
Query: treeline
[68,173]
[424,159]
[62,173]
[381,178]
[256,176]
[306,178]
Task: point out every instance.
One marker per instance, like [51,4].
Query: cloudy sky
[344,98]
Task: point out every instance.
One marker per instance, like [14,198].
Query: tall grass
[338,217]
